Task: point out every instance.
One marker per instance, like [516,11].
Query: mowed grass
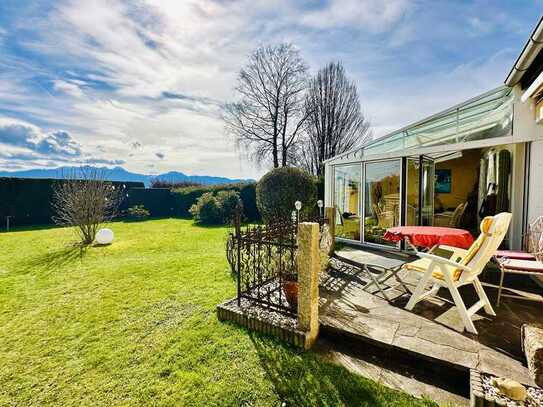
[134,323]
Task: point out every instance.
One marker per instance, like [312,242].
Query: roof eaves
[530,50]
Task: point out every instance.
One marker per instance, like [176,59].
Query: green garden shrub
[211,209]
[319,184]
[280,188]
[228,202]
[184,198]
[207,210]
[138,212]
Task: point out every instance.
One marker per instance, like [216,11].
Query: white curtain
[491,172]
[482,182]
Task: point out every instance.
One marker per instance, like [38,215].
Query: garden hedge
[28,200]
[159,202]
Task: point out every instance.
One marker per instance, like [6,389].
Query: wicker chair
[451,219]
[385,219]
[535,238]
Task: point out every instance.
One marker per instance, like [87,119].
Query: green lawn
[134,324]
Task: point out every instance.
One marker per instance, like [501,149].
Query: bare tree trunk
[335,123]
[83,199]
[267,117]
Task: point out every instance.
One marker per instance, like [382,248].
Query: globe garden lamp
[298,206]
[320,204]
[104,236]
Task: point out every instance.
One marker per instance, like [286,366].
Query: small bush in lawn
[228,202]
[207,210]
[138,212]
[280,188]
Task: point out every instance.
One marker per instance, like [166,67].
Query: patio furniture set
[452,259]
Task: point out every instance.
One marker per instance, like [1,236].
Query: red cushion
[511,254]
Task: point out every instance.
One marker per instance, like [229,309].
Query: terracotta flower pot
[290,288]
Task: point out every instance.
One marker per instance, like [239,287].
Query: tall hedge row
[186,197]
[28,200]
[160,202]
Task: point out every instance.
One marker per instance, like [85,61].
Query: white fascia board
[534,88]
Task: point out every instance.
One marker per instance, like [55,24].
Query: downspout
[527,56]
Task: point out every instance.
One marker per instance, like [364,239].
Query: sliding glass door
[382,199]
[372,196]
[347,201]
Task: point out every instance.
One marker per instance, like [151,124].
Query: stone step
[396,370]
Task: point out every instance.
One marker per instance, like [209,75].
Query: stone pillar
[331,216]
[308,281]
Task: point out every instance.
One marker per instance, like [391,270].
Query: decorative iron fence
[263,259]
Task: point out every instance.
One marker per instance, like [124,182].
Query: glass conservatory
[422,173]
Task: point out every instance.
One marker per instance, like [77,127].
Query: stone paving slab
[347,308]
[400,375]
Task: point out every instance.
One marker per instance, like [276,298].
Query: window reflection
[347,201]
[382,205]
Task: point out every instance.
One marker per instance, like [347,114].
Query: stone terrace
[433,331]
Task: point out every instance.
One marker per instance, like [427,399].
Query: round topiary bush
[277,191]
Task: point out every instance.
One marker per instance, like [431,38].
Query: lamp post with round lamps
[298,206]
[320,204]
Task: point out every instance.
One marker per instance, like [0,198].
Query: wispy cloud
[374,15]
[138,79]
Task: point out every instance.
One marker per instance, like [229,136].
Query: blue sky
[141,83]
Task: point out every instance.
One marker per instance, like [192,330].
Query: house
[441,169]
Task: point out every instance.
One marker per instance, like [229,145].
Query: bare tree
[269,115]
[85,200]
[335,123]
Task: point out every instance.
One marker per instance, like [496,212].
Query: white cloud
[70,88]
[375,15]
[128,80]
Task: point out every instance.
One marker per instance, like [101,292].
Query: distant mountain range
[120,174]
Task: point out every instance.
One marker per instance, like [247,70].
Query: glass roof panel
[487,116]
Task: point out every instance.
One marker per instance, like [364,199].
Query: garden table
[430,236]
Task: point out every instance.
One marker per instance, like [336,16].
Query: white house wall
[525,126]
[535,197]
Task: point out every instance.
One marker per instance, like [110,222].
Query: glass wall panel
[347,201]
[412,193]
[415,191]
[382,199]
[427,191]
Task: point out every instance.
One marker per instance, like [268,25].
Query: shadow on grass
[53,260]
[302,379]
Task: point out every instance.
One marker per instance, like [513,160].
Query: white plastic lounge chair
[462,267]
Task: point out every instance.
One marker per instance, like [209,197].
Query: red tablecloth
[429,236]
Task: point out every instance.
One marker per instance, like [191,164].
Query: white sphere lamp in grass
[104,236]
